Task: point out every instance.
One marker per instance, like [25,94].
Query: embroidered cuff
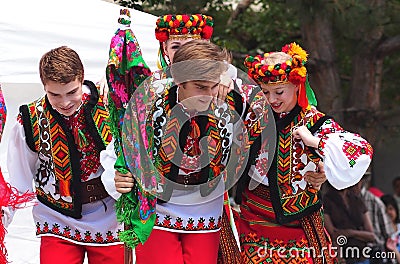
[321,145]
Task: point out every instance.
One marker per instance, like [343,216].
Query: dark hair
[395,180]
[388,199]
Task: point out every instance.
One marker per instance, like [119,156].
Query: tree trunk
[323,71]
[366,79]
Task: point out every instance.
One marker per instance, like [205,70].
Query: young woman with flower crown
[172,31]
[281,219]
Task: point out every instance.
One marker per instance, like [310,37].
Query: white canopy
[29,28]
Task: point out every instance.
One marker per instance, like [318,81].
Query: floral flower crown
[196,26]
[293,70]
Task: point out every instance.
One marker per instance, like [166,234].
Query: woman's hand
[225,86]
[103,89]
[305,135]
[391,244]
[316,178]
[123,182]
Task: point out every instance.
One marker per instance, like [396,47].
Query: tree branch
[241,7]
[238,55]
[388,47]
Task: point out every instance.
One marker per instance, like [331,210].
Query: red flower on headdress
[264,68]
[275,72]
[296,78]
[177,23]
[285,48]
[162,36]
[207,32]
[168,18]
[185,18]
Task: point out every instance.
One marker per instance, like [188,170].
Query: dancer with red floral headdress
[281,219]
[172,31]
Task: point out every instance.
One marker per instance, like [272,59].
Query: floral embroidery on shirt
[189,224]
[66,232]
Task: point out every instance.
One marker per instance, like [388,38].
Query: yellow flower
[296,49]
[179,17]
[270,68]
[302,71]
[281,71]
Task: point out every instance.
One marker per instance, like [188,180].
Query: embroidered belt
[93,190]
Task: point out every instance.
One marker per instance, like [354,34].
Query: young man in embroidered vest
[188,214]
[284,211]
[56,144]
[172,31]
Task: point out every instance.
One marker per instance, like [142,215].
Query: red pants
[60,251]
[178,248]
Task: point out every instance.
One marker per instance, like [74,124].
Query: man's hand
[123,182]
[316,179]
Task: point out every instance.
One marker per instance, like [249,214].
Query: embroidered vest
[60,173]
[291,197]
[171,132]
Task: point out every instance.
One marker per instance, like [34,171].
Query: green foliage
[268,25]
[265,25]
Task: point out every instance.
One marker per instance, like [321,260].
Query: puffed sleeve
[21,166]
[107,160]
[22,162]
[346,155]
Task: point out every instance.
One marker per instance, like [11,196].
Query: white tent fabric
[29,28]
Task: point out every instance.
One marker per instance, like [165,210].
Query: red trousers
[60,251]
[178,248]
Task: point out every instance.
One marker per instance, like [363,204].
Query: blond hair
[61,65]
